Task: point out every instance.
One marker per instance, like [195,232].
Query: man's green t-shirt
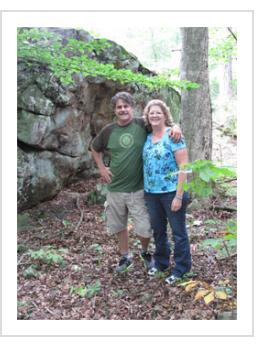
[125,145]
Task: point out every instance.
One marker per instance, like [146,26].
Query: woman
[164,195]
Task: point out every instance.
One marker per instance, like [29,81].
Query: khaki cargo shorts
[121,205]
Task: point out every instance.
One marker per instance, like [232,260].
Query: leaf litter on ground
[86,287]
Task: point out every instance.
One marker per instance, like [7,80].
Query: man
[124,140]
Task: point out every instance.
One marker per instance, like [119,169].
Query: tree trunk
[196,115]
[228,80]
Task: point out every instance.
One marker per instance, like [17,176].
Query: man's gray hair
[127,97]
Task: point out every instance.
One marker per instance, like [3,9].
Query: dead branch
[226,248]
[230,180]
[77,195]
[223,208]
[21,258]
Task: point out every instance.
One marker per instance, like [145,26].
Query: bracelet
[179,198]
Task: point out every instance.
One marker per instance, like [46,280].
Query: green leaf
[66,60]
[93,289]
[204,176]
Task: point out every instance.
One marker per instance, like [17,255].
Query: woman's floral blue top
[160,165]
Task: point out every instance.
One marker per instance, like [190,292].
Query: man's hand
[106,174]
[176,133]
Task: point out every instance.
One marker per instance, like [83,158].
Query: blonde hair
[165,109]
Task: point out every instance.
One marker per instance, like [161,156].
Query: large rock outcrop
[55,123]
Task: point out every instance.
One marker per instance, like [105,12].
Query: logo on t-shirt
[126,140]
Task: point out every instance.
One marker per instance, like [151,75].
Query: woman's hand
[176,204]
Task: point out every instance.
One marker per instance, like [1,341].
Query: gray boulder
[56,123]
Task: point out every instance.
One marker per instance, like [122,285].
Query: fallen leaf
[224,282]
[206,285]
[209,298]
[201,293]
[190,286]
[122,297]
[221,295]
[183,284]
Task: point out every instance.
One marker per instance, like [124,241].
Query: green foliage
[215,243]
[222,248]
[222,48]
[22,303]
[81,291]
[225,246]
[102,188]
[224,189]
[97,196]
[75,57]
[21,248]
[87,291]
[31,272]
[231,128]
[212,222]
[205,176]
[231,230]
[234,86]
[23,221]
[27,307]
[171,74]
[97,252]
[93,289]
[48,255]
[66,223]
[118,293]
[96,248]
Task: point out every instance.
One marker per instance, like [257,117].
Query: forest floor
[66,265]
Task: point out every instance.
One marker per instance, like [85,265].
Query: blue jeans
[159,208]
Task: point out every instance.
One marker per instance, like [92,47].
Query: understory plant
[48,255]
[205,177]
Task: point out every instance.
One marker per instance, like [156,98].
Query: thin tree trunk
[228,79]
[196,112]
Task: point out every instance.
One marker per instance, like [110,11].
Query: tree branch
[232,33]
[223,208]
